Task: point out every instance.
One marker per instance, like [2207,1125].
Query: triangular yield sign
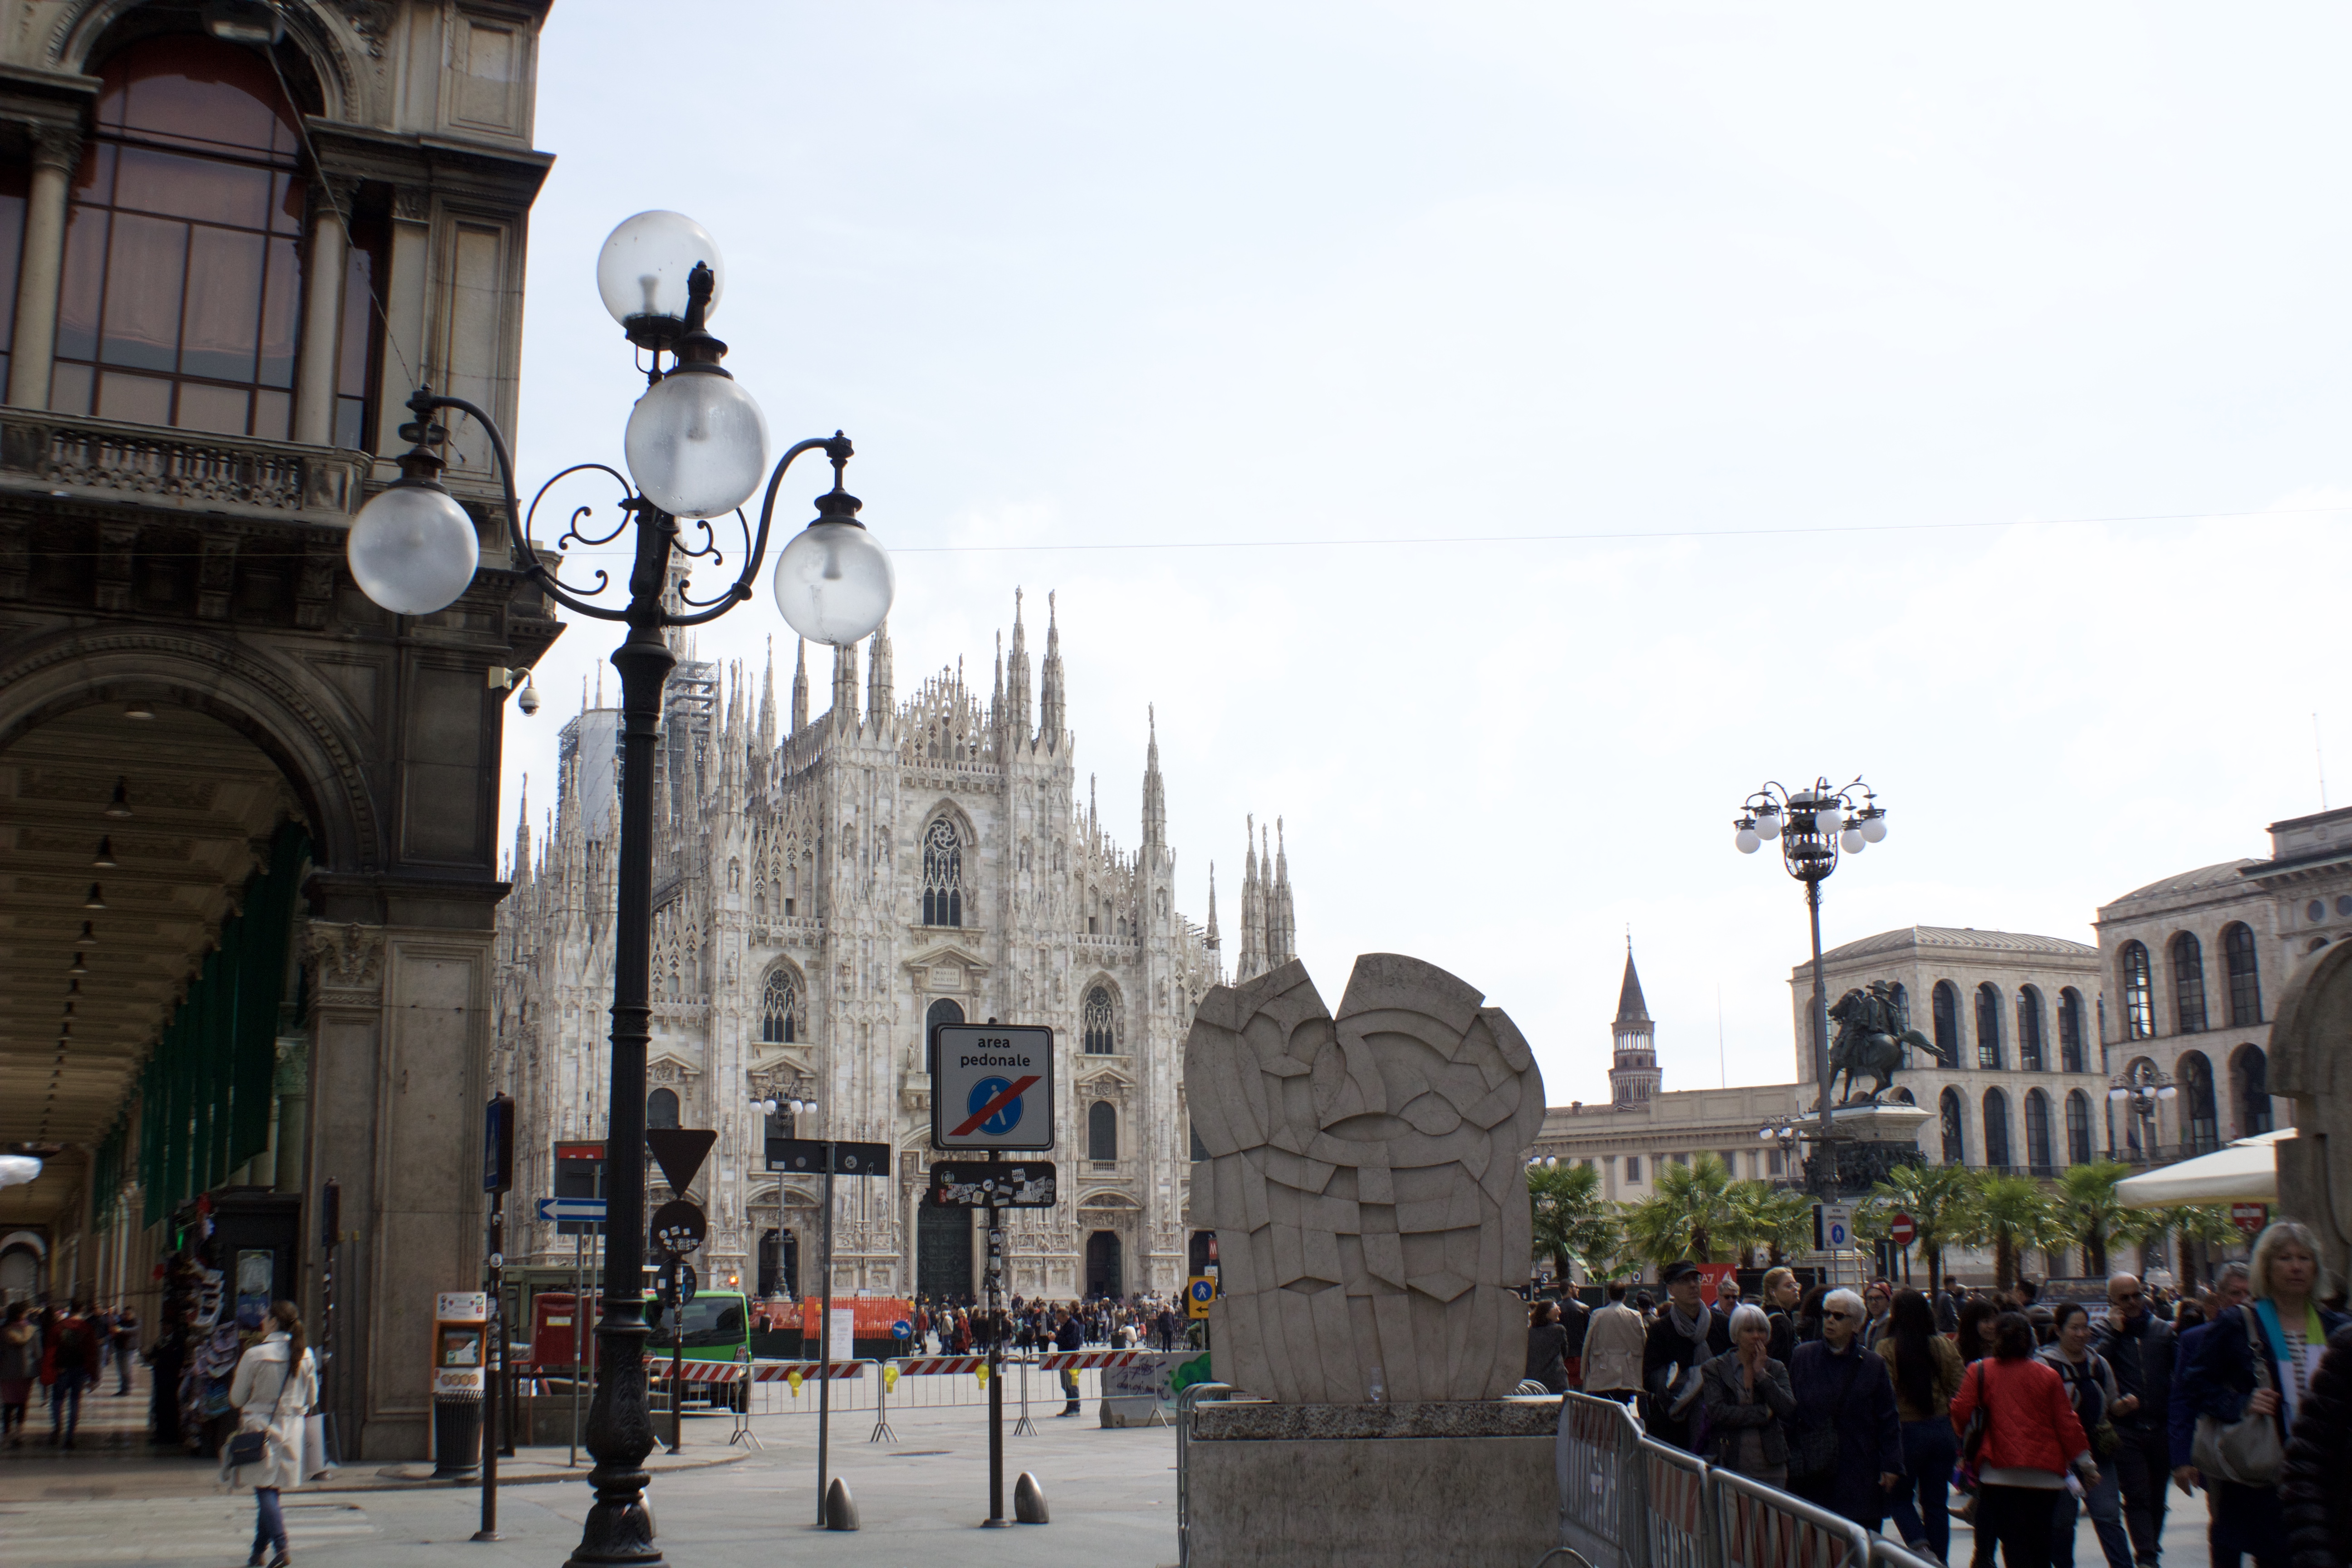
[679,1151]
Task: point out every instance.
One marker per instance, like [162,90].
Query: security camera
[528,701]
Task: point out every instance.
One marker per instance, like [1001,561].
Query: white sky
[1791,317]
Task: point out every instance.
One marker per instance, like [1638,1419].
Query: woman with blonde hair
[275,1387]
[2258,1360]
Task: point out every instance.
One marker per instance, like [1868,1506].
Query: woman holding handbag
[2024,1450]
[273,1390]
[2243,1382]
[2092,1389]
[1848,1453]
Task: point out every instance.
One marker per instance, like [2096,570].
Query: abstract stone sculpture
[1366,1180]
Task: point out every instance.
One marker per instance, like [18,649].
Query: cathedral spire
[800,688]
[996,704]
[1250,961]
[1212,940]
[1282,925]
[1155,796]
[522,834]
[878,698]
[1049,695]
[768,703]
[1016,678]
[845,686]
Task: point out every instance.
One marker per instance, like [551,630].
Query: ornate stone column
[291,1084]
[322,310]
[56,152]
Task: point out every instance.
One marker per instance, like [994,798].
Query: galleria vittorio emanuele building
[826,886]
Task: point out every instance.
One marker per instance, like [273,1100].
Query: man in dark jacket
[1947,1307]
[1575,1317]
[2138,1345]
[1687,1334]
[1070,1335]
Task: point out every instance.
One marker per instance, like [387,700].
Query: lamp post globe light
[2138,1090]
[1813,827]
[696,447]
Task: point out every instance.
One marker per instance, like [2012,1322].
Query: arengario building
[825,888]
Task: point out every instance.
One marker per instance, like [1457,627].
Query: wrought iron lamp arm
[838,448]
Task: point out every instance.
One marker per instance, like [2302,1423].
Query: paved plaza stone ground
[920,1499]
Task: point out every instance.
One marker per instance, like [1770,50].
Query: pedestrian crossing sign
[1199,1293]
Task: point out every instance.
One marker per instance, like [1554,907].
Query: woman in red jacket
[2032,1445]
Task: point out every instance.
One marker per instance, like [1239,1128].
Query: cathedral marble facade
[826,888]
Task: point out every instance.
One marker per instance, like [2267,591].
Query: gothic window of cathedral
[661,1108]
[779,1009]
[1100,1023]
[942,874]
[1102,1131]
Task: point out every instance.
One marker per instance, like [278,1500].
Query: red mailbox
[555,1329]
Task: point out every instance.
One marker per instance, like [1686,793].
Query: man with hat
[1687,1335]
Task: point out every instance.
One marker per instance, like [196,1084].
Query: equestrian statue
[1873,1027]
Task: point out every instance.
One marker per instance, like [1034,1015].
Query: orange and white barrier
[920,1365]
[1076,1360]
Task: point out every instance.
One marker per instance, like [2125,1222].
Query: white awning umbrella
[2245,1172]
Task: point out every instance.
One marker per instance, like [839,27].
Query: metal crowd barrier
[1187,1401]
[1626,1499]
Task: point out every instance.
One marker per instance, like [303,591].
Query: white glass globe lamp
[1873,827]
[413,549]
[16,1170]
[1746,840]
[2167,1092]
[1851,840]
[833,583]
[767,1107]
[642,273]
[697,443]
[1768,822]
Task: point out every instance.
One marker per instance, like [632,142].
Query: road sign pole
[495,1362]
[996,1519]
[677,1389]
[578,1319]
[824,1342]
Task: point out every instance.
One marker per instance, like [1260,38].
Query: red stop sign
[1900,1230]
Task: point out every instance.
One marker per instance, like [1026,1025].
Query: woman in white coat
[275,1387]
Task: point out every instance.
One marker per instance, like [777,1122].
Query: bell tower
[1634,1068]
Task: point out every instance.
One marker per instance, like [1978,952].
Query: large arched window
[2037,1133]
[661,1108]
[2246,976]
[1989,1034]
[1100,1022]
[2250,1079]
[2078,1128]
[2139,994]
[2201,1122]
[2189,983]
[1945,1003]
[943,1011]
[1996,1131]
[942,874]
[780,1008]
[1954,1118]
[1102,1131]
[2029,1029]
[181,296]
[2070,1032]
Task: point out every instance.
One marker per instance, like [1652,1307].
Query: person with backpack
[69,1364]
[1848,1454]
[2093,1391]
[2025,1449]
[275,1387]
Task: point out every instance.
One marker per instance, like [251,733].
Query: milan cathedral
[824,890]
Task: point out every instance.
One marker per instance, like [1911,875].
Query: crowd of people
[63,1351]
[1879,1403]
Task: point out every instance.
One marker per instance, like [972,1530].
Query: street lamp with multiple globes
[2137,1090]
[1813,826]
[696,447]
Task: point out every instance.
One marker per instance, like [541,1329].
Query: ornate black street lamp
[2137,1091]
[1813,825]
[696,447]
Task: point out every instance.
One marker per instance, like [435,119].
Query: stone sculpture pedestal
[1360,1486]
[1872,1139]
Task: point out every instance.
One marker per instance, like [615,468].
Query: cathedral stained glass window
[1100,1023]
[779,1009]
[943,874]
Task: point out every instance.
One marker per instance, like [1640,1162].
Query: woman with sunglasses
[1849,1450]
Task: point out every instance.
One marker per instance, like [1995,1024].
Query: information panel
[992,1086]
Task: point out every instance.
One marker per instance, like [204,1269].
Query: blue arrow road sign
[578,1210]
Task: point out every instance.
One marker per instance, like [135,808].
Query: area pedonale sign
[992,1086]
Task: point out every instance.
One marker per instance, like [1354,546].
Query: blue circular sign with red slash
[995,1106]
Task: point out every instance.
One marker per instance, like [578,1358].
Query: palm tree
[2086,1199]
[2014,1213]
[1762,1214]
[1935,1196]
[2206,1223]
[1688,1214]
[1572,1220]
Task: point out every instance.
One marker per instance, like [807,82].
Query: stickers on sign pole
[679,1228]
[992,1086]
